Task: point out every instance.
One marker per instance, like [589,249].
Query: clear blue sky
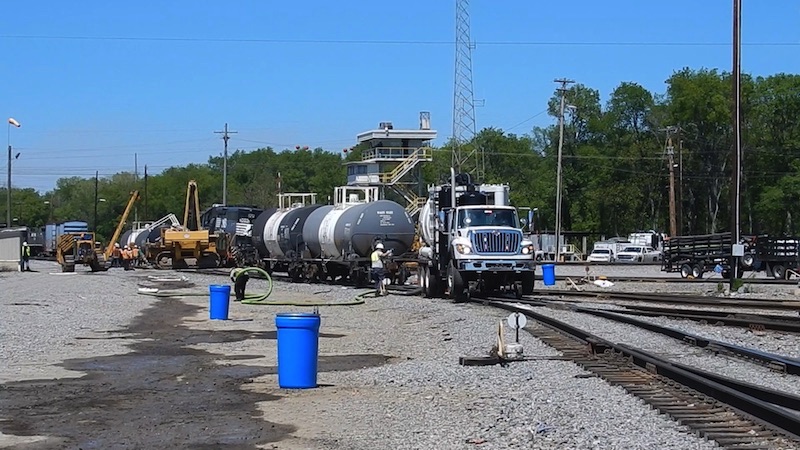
[95,82]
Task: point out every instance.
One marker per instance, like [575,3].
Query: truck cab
[473,242]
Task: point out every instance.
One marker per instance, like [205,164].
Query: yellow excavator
[189,241]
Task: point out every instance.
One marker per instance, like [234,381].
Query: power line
[397,42]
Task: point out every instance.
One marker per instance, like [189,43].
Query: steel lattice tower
[466,156]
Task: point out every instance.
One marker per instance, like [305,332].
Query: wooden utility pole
[562,90]
[673,225]
[225,138]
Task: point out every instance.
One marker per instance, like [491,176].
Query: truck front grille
[495,241]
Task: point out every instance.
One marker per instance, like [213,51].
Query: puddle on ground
[162,395]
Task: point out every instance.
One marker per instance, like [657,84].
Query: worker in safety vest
[26,256]
[134,255]
[240,278]
[116,256]
[378,270]
[126,258]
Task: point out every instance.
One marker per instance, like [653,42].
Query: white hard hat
[379,246]
[25,243]
[116,244]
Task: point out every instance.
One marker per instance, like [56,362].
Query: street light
[49,210]
[11,121]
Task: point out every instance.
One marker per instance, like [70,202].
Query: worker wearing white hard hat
[26,256]
[378,271]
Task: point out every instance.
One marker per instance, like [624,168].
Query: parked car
[639,253]
[601,255]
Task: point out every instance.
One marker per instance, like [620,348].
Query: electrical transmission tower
[467,157]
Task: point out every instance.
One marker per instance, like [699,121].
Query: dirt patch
[162,395]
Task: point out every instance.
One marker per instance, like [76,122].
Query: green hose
[261,298]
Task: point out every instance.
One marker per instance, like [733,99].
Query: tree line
[614,164]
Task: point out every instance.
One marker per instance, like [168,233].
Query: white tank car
[271,233]
[326,233]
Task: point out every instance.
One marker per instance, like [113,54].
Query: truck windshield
[488,218]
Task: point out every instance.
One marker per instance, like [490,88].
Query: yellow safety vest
[26,250]
[375,257]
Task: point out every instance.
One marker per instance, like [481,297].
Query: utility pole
[673,225]
[145,192]
[562,90]
[96,181]
[225,138]
[136,183]
[737,251]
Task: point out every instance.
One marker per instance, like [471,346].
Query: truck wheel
[697,271]
[748,259]
[422,274]
[455,284]
[528,279]
[777,271]
[686,270]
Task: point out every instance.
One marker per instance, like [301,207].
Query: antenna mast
[467,157]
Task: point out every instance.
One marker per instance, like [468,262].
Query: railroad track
[678,299]
[732,413]
[677,279]
[756,322]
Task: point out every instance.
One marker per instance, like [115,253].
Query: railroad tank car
[354,230]
[258,231]
[283,232]
[290,231]
[312,228]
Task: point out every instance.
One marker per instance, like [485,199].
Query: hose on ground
[259,298]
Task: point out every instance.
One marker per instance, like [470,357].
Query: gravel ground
[389,375]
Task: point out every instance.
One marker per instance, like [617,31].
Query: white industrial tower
[466,156]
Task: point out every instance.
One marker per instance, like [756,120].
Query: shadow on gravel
[162,395]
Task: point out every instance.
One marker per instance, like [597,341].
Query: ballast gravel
[389,373]
[693,356]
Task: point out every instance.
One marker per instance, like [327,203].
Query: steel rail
[760,303]
[771,322]
[785,363]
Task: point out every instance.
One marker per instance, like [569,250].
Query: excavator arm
[121,224]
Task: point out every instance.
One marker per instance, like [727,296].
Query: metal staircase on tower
[392,159]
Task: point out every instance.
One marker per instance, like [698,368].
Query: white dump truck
[472,242]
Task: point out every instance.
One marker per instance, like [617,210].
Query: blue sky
[95,83]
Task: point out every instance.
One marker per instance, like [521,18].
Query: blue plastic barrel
[549,274]
[220,298]
[298,350]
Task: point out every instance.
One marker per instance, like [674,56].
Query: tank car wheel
[686,270]
[455,284]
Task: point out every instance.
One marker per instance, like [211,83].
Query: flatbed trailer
[777,256]
[695,255]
